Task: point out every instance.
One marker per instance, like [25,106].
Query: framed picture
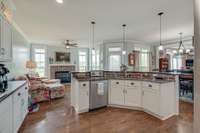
[62,57]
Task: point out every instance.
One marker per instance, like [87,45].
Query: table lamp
[31,65]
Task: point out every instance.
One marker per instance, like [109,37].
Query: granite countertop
[122,78]
[12,87]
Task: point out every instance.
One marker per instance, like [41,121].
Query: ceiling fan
[68,44]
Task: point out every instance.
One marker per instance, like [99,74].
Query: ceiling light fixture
[181,47]
[160,47]
[124,39]
[59,1]
[93,34]
[93,43]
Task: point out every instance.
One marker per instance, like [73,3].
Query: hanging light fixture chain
[93,34]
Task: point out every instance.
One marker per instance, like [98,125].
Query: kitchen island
[133,90]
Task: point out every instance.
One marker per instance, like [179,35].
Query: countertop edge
[10,93]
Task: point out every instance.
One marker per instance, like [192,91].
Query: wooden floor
[59,117]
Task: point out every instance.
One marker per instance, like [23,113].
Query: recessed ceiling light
[59,1]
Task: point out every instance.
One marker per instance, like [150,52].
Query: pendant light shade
[124,39]
[160,15]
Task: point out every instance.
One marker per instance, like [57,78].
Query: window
[176,62]
[83,61]
[39,57]
[114,49]
[114,62]
[144,59]
[95,60]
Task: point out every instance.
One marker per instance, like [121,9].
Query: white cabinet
[116,92]
[20,107]
[159,99]
[133,93]
[6,39]
[83,96]
[80,95]
[151,97]
[6,115]
[125,92]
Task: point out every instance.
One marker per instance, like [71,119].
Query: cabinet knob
[84,84]
[132,83]
[19,94]
[150,85]
[26,88]
[117,82]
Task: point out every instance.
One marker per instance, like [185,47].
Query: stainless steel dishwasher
[98,98]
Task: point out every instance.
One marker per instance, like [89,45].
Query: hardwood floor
[59,117]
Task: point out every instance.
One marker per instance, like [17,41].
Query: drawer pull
[150,85]
[117,82]
[84,84]
[26,88]
[19,94]
[132,83]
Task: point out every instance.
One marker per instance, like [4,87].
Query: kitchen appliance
[3,78]
[98,90]
[98,94]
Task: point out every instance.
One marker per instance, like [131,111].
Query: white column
[197,66]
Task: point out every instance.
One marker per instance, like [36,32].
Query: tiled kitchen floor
[59,117]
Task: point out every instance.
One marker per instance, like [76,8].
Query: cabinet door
[25,102]
[117,95]
[150,100]
[17,110]
[133,96]
[1,37]
[83,96]
[6,48]
[6,116]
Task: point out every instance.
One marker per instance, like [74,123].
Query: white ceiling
[47,21]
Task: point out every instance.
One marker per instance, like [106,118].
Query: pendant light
[93,42]
[160,15]
[93,35]
[124,39]
[181,48]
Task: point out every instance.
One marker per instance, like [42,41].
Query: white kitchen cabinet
[159,99]
[116,92]
[83,96]
[20,107]
[6,39]
[133,93]
[125,93]
[150,99]
[6,115]
[80,95]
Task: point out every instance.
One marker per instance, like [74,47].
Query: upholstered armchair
[38,91]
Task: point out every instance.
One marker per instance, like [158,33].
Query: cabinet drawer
[131,83]
[150,85]
[84,85]
[117,83]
